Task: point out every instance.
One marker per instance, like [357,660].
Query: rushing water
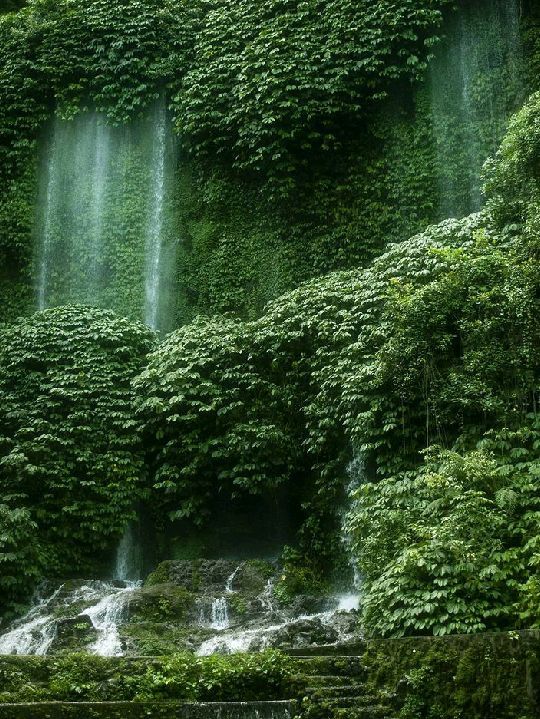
[106,616]
[104,228]
[220,608]
[128,557]
[105,603]
[476,83]
[220,614]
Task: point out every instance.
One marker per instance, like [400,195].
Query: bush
[69,447]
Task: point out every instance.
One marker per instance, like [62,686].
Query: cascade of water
[356,471]
[263,637]
[102,225]
[267,597]
[33,633]
[99,188]
[348,602]
[33,637]
[106,616]
[128,557]
[106,606]
[220,608]
[51,181]
[220,614]
[154,240]
[475,85]
[229,583]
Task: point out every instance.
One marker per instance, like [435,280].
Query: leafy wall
[300,172]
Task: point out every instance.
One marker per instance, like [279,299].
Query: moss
[238,604]
[154,639]
[474,676]
[297,579]
[495,676]
[160,575]
[161,602]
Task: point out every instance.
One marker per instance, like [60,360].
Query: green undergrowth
[80,677]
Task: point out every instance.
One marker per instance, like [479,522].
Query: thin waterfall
[103,227]
[52,178]
[476,84]
[99,182]
[127,566]
[220,614]
[154,242]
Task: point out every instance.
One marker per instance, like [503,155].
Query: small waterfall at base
[128,557]
[229,583]
[35,633]
[106,616]
[220,614]
[476,84]
[104,603]
[277,625]
[350,600]
[220,608]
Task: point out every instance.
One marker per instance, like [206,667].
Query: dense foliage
[435,346]
[417,375]
[209,52]
[211,419]
[70,461]
[364,156]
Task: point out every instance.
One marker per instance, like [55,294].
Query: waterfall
[99,189]
[220,608]
[35,632]
[154,242]
[106,616]
[350,600]
[128,557]
[48,220]
[220,614]
[229,583]
[106,608]
[104,233]
[475,85]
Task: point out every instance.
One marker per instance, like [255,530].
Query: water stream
[105,603]
[476,83]
[104,228]
[154,241]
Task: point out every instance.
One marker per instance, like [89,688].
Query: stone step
[333,691]
[322,680]
[338,665]
[149,710]
[351,649]
[356,702]
[372,711]
[352,711]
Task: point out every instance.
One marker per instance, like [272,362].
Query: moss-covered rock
[161,602]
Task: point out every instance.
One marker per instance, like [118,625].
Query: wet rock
[73,634]
[162,603]
[304,633]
